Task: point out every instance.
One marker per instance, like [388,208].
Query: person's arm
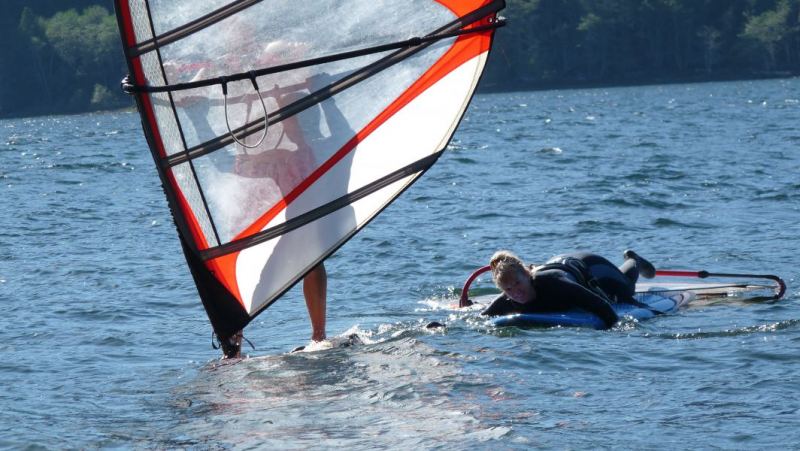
[579,296]
[333,115]
[501,305]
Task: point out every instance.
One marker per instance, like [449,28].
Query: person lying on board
[583,280]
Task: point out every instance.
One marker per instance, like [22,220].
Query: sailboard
[648,306]
[279,128]
[669,292]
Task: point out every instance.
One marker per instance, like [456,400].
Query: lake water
[104,342]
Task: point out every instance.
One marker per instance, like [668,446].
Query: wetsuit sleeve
[581,297]
[501,305]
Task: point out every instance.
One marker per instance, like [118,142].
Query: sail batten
[345,136]
[299,221]
[187,29]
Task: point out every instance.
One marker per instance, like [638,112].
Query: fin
[646,269]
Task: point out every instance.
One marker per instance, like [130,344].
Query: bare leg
[644,267]
[315,287]
[630,269]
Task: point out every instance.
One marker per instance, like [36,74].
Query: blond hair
[504,264]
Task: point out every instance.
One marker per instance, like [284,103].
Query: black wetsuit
[583,280]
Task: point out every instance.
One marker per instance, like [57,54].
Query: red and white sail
[259,206]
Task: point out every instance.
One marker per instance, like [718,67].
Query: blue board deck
[581,318]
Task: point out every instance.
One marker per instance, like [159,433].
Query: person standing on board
[315,287]
[271,170]
[286,169]
[583,280]
[287,162]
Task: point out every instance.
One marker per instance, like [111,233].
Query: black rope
[132,88]
[249,342]
[216,343]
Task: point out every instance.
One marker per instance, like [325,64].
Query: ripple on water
[734,332]
[672,223]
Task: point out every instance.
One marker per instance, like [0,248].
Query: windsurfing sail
[281,128]
[725,285]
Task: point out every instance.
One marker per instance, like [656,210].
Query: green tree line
[575,42]
[59,57]
[63,56]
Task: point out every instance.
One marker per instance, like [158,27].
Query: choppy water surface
[104,342]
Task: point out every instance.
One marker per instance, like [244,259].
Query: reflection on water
[381,394]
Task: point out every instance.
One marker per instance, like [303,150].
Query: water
[105,344]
